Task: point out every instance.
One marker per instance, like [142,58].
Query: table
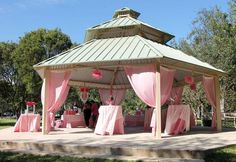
[28,123]
[110,120]
[73,121]
[178,119]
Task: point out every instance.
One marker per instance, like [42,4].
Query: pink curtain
[167,78]
[118,95]
[176,95]
[57,93]
[209,88]
[143,81]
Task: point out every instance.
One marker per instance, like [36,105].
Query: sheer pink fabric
[110,120]
[143,81]
[57,92]
[176,95]
[167,78]
[178,119]
[209,88]
[118,96]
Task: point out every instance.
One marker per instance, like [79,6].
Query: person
[87,113]
[95,113]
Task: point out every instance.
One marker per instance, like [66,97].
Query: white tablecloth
[178,119]
[110,120]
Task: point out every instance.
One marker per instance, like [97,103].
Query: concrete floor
[198,139]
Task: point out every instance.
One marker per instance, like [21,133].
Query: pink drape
[167,78]
[176,95]
[209,88]
[143,81]
[118,96]
[57,92]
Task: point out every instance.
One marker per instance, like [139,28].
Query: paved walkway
[199,139]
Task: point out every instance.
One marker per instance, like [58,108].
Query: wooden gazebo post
[158,103]
[45,104]
[218,111]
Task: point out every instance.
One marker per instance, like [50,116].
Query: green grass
[227,154]
[220,155]
[7,122]
[19,157]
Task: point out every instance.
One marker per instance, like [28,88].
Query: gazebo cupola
[125,23]
[126,12]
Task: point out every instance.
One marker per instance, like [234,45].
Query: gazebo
[126,53]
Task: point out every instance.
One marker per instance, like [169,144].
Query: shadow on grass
[19,157]
[227,154]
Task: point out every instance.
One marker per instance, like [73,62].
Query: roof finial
[126,12]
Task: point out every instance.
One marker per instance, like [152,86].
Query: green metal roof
[111,50]
[125,23]
[121,21]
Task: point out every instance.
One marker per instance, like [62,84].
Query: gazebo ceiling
[110,52]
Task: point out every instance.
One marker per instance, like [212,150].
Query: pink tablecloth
[178,119]
[73,121]
[28,123]
[110,120]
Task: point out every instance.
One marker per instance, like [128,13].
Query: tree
[213,40]
[132,102]
[9,81]
[34,47]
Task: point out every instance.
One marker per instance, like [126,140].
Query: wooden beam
[158,104]
[45,104]
[218,111]
[98,85]
[113,79]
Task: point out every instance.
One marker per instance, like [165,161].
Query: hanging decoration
[97,74]
[190,80]
[84,94]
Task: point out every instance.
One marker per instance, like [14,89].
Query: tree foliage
[213,40]
[9,81]
[34,47]
[131,102]
[19,81]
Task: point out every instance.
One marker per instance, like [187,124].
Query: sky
[73,17]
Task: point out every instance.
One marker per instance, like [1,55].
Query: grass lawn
[7,122]
[19,157]
[222,155]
